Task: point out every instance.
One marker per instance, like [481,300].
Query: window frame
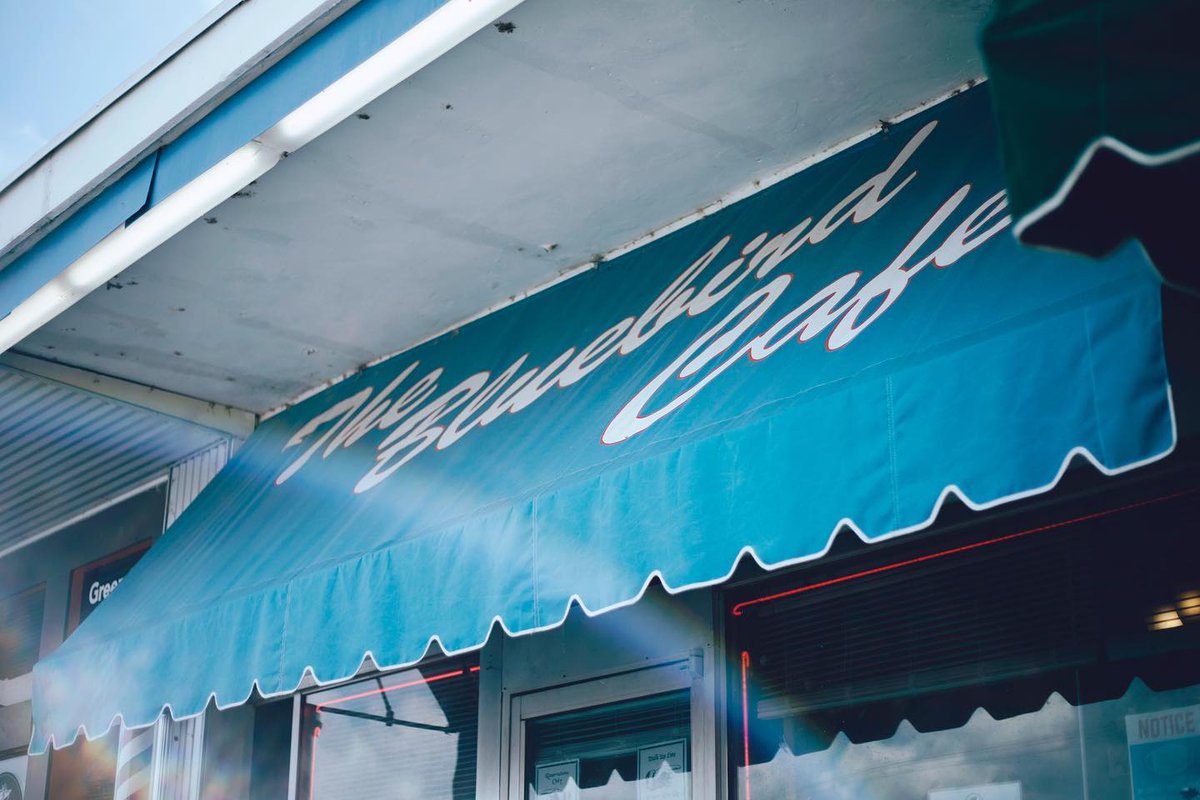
[300,756]
[960,530]
[21,684]
[668,675]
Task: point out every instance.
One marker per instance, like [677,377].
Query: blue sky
[58,58]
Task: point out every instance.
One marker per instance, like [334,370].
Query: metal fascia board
[154,110]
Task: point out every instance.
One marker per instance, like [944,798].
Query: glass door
[625,737]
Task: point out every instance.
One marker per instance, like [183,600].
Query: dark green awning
[1099,122]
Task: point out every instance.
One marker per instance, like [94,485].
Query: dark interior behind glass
[410,735]
[1015,656]
[606,750]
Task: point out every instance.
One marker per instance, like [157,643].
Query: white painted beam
[226,419]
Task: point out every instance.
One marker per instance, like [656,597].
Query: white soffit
[585,127]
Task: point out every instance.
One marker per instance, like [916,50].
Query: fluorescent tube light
[433,36]
[37,309]
[126,245]
[446,27]
[200,195]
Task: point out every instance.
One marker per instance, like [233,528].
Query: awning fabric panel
[686,423]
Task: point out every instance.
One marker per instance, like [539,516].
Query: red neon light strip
[746,722]
[312,767]
[740,608]
[382,689]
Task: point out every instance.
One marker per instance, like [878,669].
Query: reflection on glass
[1147,743]
[1039,750]
[1144,745]
[1061,661]
[633,750]
[409,735]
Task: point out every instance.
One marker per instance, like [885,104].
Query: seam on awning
[895,480]
[1091,353]
[537,602]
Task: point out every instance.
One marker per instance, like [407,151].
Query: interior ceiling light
[446,27]
[1188,604]
[1164,618]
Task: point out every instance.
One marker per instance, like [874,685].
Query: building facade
[829,488]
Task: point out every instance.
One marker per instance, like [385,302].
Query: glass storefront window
[21,635]
[630,750]
[1145,742]
[1027,658]
[1094,752]
[1036,752]
[410,735]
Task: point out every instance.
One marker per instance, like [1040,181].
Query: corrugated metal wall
[64,451]
[189,477]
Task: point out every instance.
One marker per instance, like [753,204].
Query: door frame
[666,676]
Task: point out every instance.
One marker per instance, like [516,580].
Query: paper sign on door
[662,771]
[984,791]
[1164,753]
[557,781]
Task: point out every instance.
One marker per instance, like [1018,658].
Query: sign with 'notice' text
[1164,753]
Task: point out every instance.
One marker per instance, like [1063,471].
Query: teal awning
[846,347]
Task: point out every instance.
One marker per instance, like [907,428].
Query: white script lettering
[423,415]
